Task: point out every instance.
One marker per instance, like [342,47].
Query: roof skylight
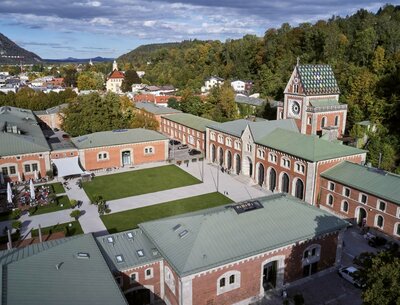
[140,253]
[119,258]
[183,233]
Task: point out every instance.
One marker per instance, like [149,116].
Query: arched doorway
[213,154]
[229,160]
[126,158]
[261,174]
[221,156]
[299,189]
[361,214]
[272,179]
[285,183]
[237,164]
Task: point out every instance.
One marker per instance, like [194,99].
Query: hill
[79,60]
[9,50]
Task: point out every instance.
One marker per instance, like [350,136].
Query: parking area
[181,152]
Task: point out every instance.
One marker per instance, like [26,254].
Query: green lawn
[57,188]
[130,219]
[53,207]
[138,182]
[75,229]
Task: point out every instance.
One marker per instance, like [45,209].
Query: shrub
[50,174]
[32,210]
[108,211]
[75,214]
[16,214]
[73,203]
[17,225]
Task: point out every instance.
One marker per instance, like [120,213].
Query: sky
[86,29]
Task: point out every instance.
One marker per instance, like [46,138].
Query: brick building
[311,98]
[275,155]
[366,195]
[186,128]
[119,148]
[212,256]
[155,111]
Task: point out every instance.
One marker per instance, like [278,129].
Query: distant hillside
[10,50]
[79,60]
[143,53]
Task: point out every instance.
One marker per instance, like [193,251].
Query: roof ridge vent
[58,266]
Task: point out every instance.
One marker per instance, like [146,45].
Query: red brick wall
[19,161]
[63,154]
[204,286]
[183,133]
[171,296]
[90,162]
[224,147]
[330,120]
[371,207]
[155,281]
[325,165]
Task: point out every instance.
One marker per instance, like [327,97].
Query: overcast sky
[84,29]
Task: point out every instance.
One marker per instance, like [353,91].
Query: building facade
[311,98]
[364,195]
[114,80]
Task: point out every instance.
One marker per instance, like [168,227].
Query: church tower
[311,98]
[115,66]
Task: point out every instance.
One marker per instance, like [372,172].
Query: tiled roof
[190,120]
[324,102]
[317,79]
[370,180]
[209,238]
[155,109]
[116,74]
[306,147]
[117,137]
[24,136]
[242,99]
[53,273]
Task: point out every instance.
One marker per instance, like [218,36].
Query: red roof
[116,74]
[155,99]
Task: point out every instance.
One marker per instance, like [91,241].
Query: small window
[12,170]
[337,120]
[129,235]
[379,221]
[27,168]
[346,192]
[323,122]
[313,251]
[119,258]
[397,229]
[381,205]
[140,253]
[110,239]
[329,200]
[363,198]
[331,186]
[34,167]
[232,279]
[309,120]
[4,171]
[305,254]
[222,282]
[148,274]
[345,206]
[272,157]
[148,150]
[134,277]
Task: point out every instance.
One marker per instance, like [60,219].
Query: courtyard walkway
[234,187]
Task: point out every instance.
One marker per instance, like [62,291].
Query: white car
[348,273]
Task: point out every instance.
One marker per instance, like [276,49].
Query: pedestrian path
[213,180]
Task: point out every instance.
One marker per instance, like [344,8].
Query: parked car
[65,136]
[183,146]
[377,241]
[193,152]
[349,274]
[174,142]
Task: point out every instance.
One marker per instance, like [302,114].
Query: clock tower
[311,98]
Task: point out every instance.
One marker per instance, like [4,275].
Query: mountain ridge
[11,53]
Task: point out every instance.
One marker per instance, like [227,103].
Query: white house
[212,82]
[238,86]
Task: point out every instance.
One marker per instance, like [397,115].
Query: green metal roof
[370,180]
[306,147]
[317,79]
[324,102]
[127,244]
[155,109]
[29,275]
[258,129]
[190,120]
[20,132]
[117,137]
[220,235]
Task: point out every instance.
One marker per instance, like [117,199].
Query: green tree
[144,119]
[75,214]
[90,81]
[130,78]
[221,104]
[173,103]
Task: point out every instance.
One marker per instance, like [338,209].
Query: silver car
[348,273]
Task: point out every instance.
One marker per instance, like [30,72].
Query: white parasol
[32,189]
[9,193]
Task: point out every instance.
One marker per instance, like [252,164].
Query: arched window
[169,279]
[329,200]
[149,150]
[311,257]
[345,206]
[299,189]
[285,183]
[323,122]
[228,281]
[379,221]
[397,229]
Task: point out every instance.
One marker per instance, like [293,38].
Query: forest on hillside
[363,50]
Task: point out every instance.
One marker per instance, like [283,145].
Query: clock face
[294,109]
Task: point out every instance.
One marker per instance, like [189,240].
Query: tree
[267,112]
[75,214]
[16,224]
[221,104]
[381,274]
[70,77]
[90,81]
[130,78]
[173,103]
[144,119]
